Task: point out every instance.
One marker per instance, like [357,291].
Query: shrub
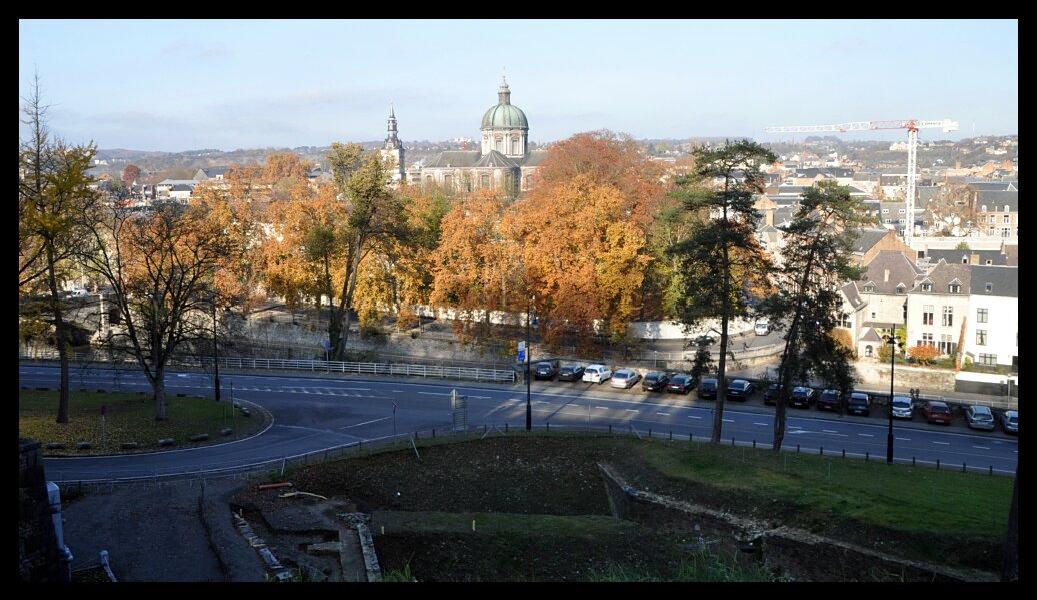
[924,353]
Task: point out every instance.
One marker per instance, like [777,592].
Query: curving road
[316,413]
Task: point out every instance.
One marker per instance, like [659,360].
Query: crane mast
[911,125]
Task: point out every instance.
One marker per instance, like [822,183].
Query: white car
[78,293]
[625,378]
[597,374]
[902,407]
[763,327]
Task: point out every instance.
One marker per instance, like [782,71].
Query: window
[927,287]
[988,359]
[954,288]
[900,288]
[872,314]
[448,181]
[927,339]
[988,287]
[428,179]
[981,337]
[946,345]
[1008,219]
[885,210]
[1006,231]
[981,315]
[869,289]
[515,146]
[868,351]
[927,314]
[948,316]
[484,180]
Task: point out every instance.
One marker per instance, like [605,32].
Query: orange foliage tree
[923,353]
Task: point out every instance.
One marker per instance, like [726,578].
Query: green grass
[701,566]
[130,418]
[900,497]
[586,526]
[398,575]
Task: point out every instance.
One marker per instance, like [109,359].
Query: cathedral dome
[504,115]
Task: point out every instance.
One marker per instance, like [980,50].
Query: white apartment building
[938,308]
[992,325]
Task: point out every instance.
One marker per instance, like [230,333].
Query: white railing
[315,366]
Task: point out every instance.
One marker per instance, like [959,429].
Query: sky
[179,85]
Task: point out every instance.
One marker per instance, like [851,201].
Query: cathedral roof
[533,159]
[454,158]
[495,159]
[505,115]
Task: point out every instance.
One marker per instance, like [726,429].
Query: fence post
[610,428]
[962,466]
[754,443]
[732,440]
[912,461]
[844,452]
[865,457]
[937,464]
[991,469]
[821,451]
[797,448]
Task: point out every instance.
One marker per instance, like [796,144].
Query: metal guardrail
[315,366]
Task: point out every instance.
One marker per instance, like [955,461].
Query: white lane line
[664,414]
[397,391]
[364,423]
[762,424]
[693,417]
[904,439]
[481,397]
[829,431]
[943,443]
[433,394]
[981,447]
[541,402]
[630,410]
[728,420]
[865,435]
[602,407]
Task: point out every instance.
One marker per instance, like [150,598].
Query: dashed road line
[904,439]
[981,447]
[942,443]
[364,423]
[630,410]
[728,420]
[762,424]
[662,413]
[865,435]
[602,407]
[829,431]
[693,417]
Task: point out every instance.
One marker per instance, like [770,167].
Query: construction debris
[273,486]
[294,494]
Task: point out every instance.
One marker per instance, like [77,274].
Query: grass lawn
[130,418]
[498,523]
[901,497]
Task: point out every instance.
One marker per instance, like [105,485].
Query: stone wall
[930,381]
[38,558]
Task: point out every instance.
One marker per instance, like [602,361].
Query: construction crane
[911,125]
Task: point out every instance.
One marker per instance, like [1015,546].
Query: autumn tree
[723,247]
[162,268]
[954,209]
[54,204]
[817,259]
[130,173]
[923,354]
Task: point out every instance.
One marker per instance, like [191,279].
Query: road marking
[943,443]
[904,439]
[829,431]
[433,394]
[602,407]
[762,424]
[728,420]
[364,423]
[630,410]
[981,447]
[865,435]
[481,397]
[397,391]
[662,413]
[693,417]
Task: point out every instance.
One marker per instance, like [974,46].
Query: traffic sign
[521,352]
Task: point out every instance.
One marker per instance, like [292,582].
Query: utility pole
[892,339]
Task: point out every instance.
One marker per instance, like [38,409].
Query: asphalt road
[315,413]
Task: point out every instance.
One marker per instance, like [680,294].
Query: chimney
[885,275]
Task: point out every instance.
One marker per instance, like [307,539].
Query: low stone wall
[793,551]
[928,380]
[38,558]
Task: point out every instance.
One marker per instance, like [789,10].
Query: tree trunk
[60,335]
[1010,569]
[158,385]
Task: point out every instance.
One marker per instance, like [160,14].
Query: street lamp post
[215,352]
[529,403]
[892,341]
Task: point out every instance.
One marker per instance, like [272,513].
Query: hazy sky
[177,85]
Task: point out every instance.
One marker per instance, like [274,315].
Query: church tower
[392,151]
[504,126]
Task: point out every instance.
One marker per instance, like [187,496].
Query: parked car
[571,373]
[858,403]
[78,293]
[937,412]
[625,378]
[546,369]
[828,400]
[656,381]
[597,374]
[740,389]
[704,340]
[1010,422]
[802,397]
[770,395]
[762,327]
[903,408]
[980,417]
[679,384]
[707,389]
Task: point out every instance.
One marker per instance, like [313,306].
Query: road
[315,413]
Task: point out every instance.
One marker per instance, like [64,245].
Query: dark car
[859,404]
[740,389]
[571,373]
[679,384]
[1010,422]
[655,382]
[770,395]
[937,412]
[828,400]
[708,389]
[704,340]
[546,369]
[802,397]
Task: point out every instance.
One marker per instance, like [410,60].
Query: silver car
[625,378]
[902,407]
[980,417]
[1010,422]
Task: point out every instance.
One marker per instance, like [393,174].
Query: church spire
[391,141]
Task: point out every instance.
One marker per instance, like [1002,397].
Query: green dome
[504,116]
